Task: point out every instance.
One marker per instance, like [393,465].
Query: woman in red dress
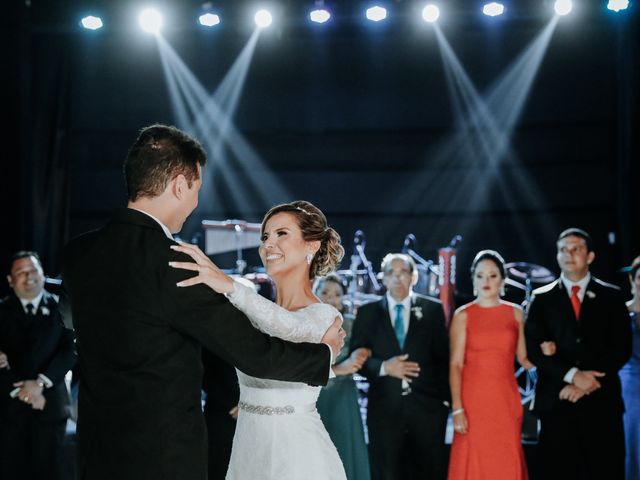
[486,335]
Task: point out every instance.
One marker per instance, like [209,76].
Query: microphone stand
[409,243]
[360,258]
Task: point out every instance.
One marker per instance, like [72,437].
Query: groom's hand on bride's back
[334,337]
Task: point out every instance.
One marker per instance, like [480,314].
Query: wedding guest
[630,379]
[486,335]
[338,401]
[407,371]
[578,396]
[36,352]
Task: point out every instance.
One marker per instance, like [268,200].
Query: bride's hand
[208,272]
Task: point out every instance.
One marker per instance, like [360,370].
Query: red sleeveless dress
[492,448]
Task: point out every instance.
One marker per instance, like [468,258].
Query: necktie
[575,300]
[31,310]
[398,324]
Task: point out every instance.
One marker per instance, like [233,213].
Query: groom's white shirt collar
[166,231]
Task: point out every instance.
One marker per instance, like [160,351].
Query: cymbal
[349,273]
[513,283]
[525,270]
[358,299]
[230,235]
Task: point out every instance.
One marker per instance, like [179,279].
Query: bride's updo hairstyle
[313,225]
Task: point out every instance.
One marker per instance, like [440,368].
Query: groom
[139,336]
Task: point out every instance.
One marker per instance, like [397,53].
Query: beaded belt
[268,410]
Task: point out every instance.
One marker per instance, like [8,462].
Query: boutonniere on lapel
[590,294]
[44,311]
[417,312]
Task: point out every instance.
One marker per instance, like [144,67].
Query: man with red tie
[578,397]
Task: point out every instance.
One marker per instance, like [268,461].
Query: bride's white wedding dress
[279,434]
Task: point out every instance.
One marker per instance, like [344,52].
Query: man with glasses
[585,325]
[408,376]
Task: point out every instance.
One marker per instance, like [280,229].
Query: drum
[263,284]
[427,281]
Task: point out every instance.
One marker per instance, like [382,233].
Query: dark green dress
[340,413]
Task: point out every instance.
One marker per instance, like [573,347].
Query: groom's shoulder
[80,243]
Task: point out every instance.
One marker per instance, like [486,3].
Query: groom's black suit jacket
[600,340]
[139,343]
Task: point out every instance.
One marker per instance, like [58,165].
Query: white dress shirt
[406,311]
[166,231]
[34,301]
[46,381]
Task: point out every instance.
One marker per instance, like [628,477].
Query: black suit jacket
[426,342]
[600,340]
[139,340]
[33,346]
[220,383]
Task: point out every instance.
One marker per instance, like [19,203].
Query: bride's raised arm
[264,314]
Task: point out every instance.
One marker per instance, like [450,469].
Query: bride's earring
[475,292]
[309,258]
[502,291]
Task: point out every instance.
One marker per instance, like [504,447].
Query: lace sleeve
[306,325]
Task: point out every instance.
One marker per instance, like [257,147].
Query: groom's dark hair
[159,154]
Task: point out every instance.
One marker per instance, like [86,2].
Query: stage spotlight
[493,9]
[263,18]
[563,7]
[617,5]
[320,16]
[150,20]
[91,22]
[430,13]
[209,19]
[377,13]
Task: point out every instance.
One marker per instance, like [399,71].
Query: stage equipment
[523,275]
[262,282]
[563,7]
[617,5]
[430,13]
[376,13]
[209,19]
[493,9]
[263,18]
[320,15]
[447,277]
[91,22]
[363,286]
[150,20]
[427,272]
[229,235]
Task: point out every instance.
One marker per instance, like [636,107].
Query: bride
[279,434]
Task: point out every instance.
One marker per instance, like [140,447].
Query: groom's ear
[178,185]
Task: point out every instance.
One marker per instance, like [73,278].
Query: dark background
[349,116]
